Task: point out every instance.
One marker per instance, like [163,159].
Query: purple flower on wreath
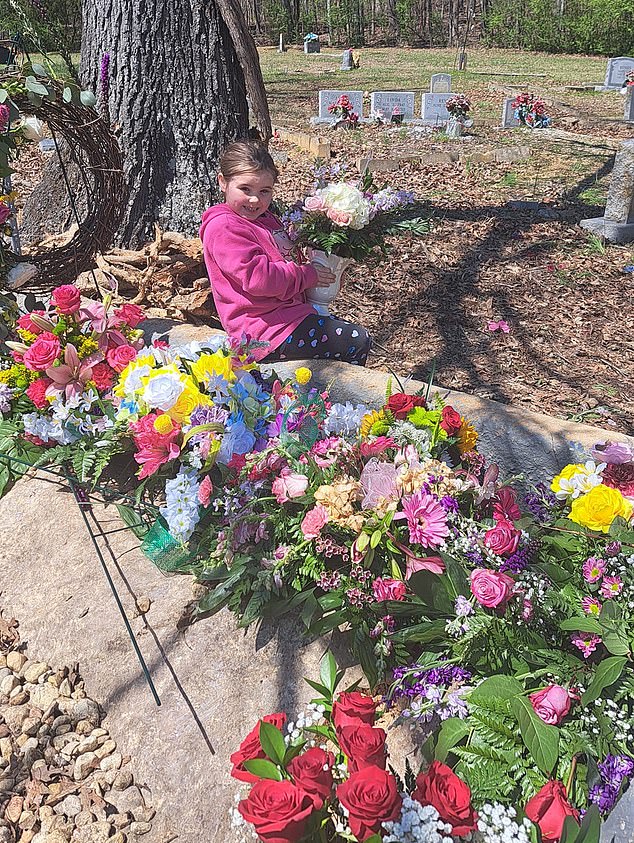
[613,770]
[104,80]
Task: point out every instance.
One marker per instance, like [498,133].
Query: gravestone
[386,101]
[617,224]
[440,83]
[617,70]
[281,48]
[433,109]
[347,62]
[326,98]
[312,45]
[628,115]
[509,120]
[462,61]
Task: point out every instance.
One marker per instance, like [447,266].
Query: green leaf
[67,94]
[31,84]
[39,69]
[569,831]
[293,752]
[88,99]
[581,624]
[316,686]
[616,642]
[590,827]
[328,671]
[272,742]
[132,519]
[541,740]
[263,769]
[3,95]
[451,733]
[607,672]
[499,687]
[375,538]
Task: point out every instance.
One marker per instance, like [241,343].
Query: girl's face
[248,194]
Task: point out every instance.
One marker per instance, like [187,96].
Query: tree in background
[45,25]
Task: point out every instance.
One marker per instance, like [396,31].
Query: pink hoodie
[255,290]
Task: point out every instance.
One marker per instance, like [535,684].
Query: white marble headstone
[433,109]
[326,98]
[440,83]
[509,120]
[617,70]
[629,105]
[385,101]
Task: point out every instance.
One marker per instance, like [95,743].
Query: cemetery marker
[617,224]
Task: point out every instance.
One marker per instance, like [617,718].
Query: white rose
[348,199]
[33,128]
[162,391]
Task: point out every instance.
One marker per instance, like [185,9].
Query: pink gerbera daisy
[586,642]
[591,606]
[426,519]
[593,569]
[611,587]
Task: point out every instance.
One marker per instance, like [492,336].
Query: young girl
[257,288]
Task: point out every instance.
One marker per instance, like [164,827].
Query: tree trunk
[177,96]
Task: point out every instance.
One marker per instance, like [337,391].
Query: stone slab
[611,231]
[617,70]
[433,108]
[628,111]
[385,101]
[509,120]
[440,83]
[326,98]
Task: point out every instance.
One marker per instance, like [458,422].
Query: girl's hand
[325,276]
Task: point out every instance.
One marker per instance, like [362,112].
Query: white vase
[454,127]
[320,297]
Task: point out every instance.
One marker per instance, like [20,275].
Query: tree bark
[177,96]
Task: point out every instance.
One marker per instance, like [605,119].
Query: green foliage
[53,26]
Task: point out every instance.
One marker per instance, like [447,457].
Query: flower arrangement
[458,106]
[531,111]
[628,82]
[343,110]
[326,776]
[351,218]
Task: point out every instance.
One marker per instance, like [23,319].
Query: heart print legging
[324,338]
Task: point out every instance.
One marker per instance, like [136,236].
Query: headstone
[509,120]
[386,101]
[462,61]
[617,70]
[440,83]
[617,224]
[629,105]
[347,62]
[433,108]
[281,48]
[326,98]
[311,44]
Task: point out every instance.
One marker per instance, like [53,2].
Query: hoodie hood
[210,214]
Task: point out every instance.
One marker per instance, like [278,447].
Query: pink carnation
[377,446]
[129,314]
[385,589]
[314,521]
[37,392]
[204,491]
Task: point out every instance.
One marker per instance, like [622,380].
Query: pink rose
[120,356]
[130,314]
[388,589]
[289,485]
[339,217]
[490,588]
[5,212]
[313,522]
[204,491]
[505,506]
[26,323]
[67,299]
[313,203]
[43,353]
[551,704]
[502,539]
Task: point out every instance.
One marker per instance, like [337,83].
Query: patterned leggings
[324,338]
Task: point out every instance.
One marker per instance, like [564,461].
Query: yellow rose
[599,507]
[303,375]
[163,424]
[209,366]
[467,437]
[188,400]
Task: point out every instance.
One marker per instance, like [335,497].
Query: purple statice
[521,559]
[420,683]
[388,200]
[6,393]
[462,607]
[613,770]
[449,503]
[540,503]
[474,557]
[208,415]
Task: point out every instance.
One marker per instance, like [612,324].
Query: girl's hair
[246,156]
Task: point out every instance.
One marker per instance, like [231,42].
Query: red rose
[251,748]
[441,788]
[103,376]
[450,421]
[400,404]
[548,809]
[119,356]
[67,299]
[502,539]
[43,353]
[278,811]
[505,506]
[129,314]
[371,798]
[312,772]
[353,709]
[364,745]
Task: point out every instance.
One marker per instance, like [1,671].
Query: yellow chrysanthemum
[163,424]
[26,336]
[369,420]
[190,398]
[303,375]
[130,378]
[599,507]
[209,366]
[467,437]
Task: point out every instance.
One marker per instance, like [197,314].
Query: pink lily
[73,375]
[94,313]
[433,564]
